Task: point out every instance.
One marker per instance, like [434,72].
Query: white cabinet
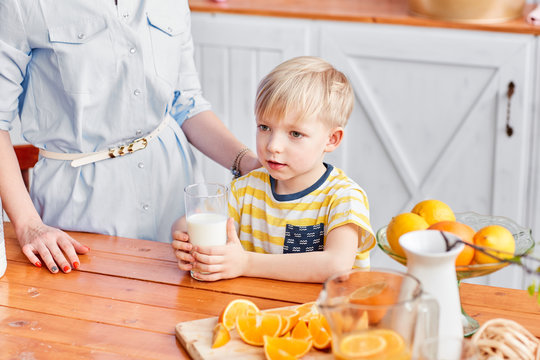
[430,119]
[430,112]
[534,206]
[232,54]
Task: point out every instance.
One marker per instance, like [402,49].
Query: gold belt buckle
[130,149]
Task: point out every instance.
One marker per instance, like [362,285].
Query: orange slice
[289,318]
[305,308]
[394,341]
[308,311]
[379,293]
[362,345]
[234,309]
[221,336]
[321,336]
[300,331]
[252,327]
[278,348]
[371,344]
[275,353]
[368,292]
[325,324]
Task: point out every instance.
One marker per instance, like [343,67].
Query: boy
[296,218]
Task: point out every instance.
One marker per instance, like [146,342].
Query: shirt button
[170,29]
[133,50]
[138,132]
[81,36]
[137,92]
[146,207]
[141,165]
[126,16]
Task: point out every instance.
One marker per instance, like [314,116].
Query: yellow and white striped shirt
[272,223]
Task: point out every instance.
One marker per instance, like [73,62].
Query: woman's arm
[208,134]
[15,198]
[34,237]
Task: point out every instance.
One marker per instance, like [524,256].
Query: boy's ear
[336,135]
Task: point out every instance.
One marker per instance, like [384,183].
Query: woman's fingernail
[38,264]
[87,248]
[66,268]
[54,269]
[76,265]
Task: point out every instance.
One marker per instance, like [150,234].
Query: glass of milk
[206,213]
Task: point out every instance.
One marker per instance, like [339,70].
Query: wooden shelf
[368,11]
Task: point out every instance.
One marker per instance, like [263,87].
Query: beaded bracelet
[235,169]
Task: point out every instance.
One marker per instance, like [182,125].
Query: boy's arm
[231,260]
[338,255]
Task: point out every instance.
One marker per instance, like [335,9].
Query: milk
[207,229]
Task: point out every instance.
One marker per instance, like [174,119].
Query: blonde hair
[309,86]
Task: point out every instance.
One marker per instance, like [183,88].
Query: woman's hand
[52,245]
[220,262]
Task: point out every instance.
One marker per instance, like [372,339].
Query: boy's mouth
[274,165]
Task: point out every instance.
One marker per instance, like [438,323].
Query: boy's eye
[263,127]
[296,134]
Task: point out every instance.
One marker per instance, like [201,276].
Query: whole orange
[498,239]
[464,232]
[401,224]
[434,211]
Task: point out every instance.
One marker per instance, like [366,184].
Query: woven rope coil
[501,339]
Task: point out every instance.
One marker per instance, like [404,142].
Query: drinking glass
[377,314]
[206,214]
[448,348]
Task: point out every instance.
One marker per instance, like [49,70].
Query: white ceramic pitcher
[430,262]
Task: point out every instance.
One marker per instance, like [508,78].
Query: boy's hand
[221,262]
[183,249]
[181,244]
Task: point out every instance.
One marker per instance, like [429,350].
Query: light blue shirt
[84,76]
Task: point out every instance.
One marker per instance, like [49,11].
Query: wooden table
[128,296]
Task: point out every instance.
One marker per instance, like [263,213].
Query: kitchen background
[430,115]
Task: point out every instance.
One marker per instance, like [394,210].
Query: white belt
[79,159]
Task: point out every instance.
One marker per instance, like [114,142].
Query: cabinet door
[232,55]
[430,119]
[534,212]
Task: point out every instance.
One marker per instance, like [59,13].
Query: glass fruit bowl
[523,237]
[524,245]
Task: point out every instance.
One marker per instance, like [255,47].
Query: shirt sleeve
[188,79]
[15,54]
[234,211]
[351,206]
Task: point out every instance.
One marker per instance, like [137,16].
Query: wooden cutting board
[196,337]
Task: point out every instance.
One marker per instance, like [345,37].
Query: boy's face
[292,151]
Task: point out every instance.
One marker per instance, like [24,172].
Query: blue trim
[181,107]
[298,195]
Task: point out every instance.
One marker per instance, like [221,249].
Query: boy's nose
[274,144]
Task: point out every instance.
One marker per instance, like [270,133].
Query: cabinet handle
[509,94]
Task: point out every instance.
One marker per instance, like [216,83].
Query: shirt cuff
[6,120]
